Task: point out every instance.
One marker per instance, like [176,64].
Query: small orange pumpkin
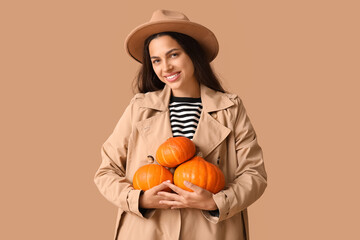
[175,151]
[201,173]
[150,175]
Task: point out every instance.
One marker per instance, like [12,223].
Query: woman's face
[173,66]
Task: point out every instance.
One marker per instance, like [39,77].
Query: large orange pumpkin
[201,173]
[175,151]
[151,175]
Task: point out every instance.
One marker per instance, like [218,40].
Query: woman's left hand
[200,198]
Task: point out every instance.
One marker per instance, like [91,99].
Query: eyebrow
[174,49]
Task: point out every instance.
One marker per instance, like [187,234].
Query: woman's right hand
[150,199]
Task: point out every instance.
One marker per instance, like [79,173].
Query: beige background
[65,80]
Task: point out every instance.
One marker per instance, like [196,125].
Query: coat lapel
[156,129]
[209,133]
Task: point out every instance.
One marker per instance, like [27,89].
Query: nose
[167,66]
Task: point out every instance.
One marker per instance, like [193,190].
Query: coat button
[150,159]
[214,115]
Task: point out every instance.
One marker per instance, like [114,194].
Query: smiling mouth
[172,77]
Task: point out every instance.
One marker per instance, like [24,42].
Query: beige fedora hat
[170,21]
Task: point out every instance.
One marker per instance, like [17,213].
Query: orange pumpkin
[151,175]
[175,151]
[201,173]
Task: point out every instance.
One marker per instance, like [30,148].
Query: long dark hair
[147,80]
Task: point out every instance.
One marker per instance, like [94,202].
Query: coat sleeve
[110,177]
[250,175]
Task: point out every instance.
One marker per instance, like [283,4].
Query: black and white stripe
[184,116]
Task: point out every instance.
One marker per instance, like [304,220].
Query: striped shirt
[184,115]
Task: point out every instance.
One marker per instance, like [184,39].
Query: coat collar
[211,100]
[209,133]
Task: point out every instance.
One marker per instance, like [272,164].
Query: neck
[192,91]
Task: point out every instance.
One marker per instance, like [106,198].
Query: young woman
[179,95]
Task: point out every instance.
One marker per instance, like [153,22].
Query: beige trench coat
[224,137]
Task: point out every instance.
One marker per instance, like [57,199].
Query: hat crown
[170,21]
[164,15]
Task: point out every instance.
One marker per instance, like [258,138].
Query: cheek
[188,65]
[158,73]
[156,70]
[190,70]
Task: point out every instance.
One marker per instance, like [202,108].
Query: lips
[172,77]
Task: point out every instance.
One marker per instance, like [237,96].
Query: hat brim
[134,42]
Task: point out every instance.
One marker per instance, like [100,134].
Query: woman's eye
[174,54]
[156,61]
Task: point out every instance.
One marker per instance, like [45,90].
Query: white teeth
[172,76]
